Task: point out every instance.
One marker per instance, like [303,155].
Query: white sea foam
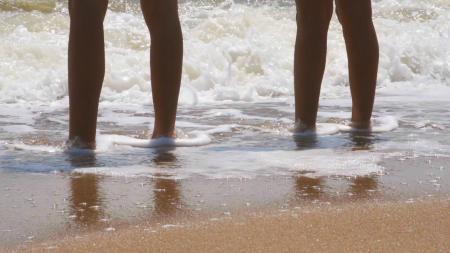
[311,163]
[34,148]
[321,129]
[109,143]
[234,52]
[379,125]
[18,129]
[198,140]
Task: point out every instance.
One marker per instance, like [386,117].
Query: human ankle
[364,124]
[163,134]
[301,126]
[78,143]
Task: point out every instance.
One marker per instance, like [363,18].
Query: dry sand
[368,227]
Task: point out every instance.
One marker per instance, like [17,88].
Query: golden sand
[369,227]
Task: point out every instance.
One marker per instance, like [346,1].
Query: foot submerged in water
[302,129]
[77,144]
[364,126]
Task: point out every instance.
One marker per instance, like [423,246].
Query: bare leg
[166,56]
[363,54]
[86,68]
[313,19]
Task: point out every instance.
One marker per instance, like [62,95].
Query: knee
[314,22]
[354,19]
[160,12]
[91,12]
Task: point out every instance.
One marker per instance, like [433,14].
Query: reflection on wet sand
[306,142]
[317,189]
[86,201]
[363,187]
[361,140]
[356,141]
[167,196]
[86,205]
[309,188]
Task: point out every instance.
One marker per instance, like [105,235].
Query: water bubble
[410,201]
[110,229]
[96,208]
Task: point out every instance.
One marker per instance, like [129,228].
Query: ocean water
[236,103]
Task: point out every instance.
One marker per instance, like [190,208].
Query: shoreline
[422,226]
[70,204]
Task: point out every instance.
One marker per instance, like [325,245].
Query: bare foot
[361,126]
[302,128]
[76,143]
[158,134]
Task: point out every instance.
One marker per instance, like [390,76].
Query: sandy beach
[405,210]
[369,227]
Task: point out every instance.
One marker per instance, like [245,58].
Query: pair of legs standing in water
[87,65]
[313,20]
[87,61]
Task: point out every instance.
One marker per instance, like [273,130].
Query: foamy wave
[28,5]
[312,163]
[198,140]
[234,52]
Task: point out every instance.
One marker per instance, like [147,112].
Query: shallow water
[237,95]
[244,140]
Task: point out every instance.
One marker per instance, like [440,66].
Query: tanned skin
[313,19]
[87,65]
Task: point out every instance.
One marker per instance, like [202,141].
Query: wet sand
[404,209]
[366,227]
